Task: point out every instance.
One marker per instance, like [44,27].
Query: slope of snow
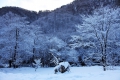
[76,73]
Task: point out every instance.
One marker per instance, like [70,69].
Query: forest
[84,33]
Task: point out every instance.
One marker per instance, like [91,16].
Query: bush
[62,67]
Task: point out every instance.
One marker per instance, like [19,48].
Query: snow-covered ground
[76,73]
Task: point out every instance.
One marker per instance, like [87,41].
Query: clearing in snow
[76,73]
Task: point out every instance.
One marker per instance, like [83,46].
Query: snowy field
[76,73]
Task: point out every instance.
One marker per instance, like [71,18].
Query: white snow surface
[76,73]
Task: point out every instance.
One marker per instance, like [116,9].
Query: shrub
[62,67]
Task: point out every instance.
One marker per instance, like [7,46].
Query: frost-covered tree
[102,23]
[11,25]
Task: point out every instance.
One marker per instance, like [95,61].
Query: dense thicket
[58,35]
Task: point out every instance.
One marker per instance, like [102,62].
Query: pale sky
[35,5]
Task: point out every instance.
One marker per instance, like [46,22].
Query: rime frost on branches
[103,24]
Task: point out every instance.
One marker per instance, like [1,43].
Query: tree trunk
[15,50]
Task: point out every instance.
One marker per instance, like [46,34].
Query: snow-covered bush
[62,67]
[36,63]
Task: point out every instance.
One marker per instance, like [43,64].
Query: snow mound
[62,67]
[65,64]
